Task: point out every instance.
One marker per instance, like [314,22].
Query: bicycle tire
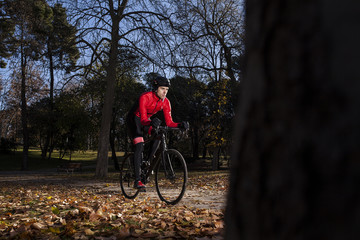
[171,187]
[127,177]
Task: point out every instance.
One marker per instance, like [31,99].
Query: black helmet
[161,81]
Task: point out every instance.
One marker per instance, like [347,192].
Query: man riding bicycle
[148,104]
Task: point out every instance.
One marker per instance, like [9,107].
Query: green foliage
[187,98]
[70,122]
[221,113]
[7,28]
[62,40]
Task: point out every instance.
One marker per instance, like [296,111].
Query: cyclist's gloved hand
[155,122]
[184,125]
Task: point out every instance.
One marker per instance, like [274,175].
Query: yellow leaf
[89,232]
[54,230]
[55,210]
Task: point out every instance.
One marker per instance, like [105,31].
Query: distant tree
[7,29]
[27,16]
[220,118]
[60,53]
[210,35]
[295,169]
[35,90]
[187,97]
[72,123]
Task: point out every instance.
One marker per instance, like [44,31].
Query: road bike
[167,165]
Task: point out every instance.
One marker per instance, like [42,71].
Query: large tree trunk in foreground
[296,163]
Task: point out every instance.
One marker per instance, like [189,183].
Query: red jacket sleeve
[142,109]
[167,114]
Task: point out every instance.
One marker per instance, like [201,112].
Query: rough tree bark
[296,168]
[103,148]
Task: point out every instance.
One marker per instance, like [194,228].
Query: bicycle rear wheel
[127,177]
[171,177]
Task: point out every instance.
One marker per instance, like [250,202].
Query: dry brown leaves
[60,211]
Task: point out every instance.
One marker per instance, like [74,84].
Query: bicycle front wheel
[171,177]
[127,177]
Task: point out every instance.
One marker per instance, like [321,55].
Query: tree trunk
[295,164]
[103,150]
[112,146]
[215,160]
[195,143]
[49,135]
[24,120]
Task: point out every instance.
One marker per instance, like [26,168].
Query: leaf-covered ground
[57,206]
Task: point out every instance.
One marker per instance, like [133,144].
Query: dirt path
[205,190]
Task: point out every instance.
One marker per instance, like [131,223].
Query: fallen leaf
[38,226]
[55,210]
[89,232]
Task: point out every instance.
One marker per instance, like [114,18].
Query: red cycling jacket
[149,104]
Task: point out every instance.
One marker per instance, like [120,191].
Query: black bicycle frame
[159,143]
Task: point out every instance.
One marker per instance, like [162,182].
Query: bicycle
[168,165]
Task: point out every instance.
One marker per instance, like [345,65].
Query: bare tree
[208,35]
[108,26]
[295,172]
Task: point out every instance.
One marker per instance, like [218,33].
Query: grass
[12,161]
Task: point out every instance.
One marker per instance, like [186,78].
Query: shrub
[7,145]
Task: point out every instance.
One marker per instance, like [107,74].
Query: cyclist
[148,104]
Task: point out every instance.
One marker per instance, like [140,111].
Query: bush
[7,145]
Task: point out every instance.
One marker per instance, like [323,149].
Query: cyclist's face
[162,91]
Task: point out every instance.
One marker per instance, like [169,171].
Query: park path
[44,205]
[202,192]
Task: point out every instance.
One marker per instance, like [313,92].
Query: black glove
[184,125]
[155,122]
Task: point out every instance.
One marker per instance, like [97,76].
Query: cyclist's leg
[139,147]
[138,141]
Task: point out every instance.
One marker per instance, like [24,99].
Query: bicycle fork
[169,171]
